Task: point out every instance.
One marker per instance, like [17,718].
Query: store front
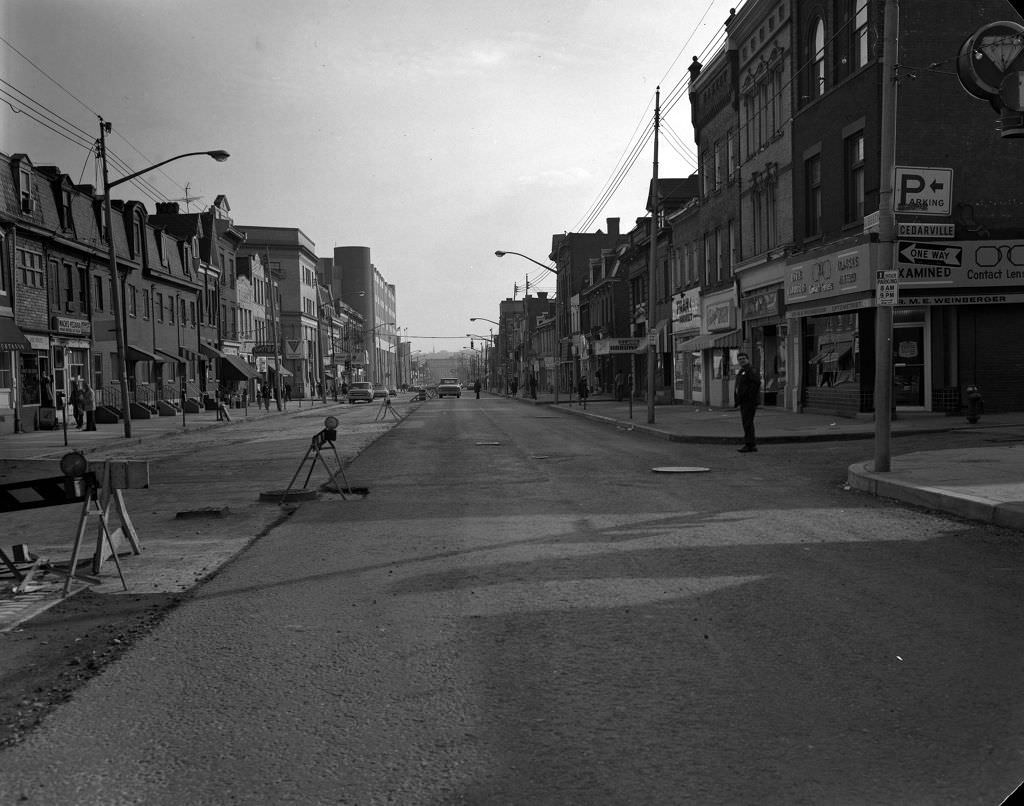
[830,315]
[687,374]
[762,311]
[710,358]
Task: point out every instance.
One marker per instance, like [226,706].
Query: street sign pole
[886,238]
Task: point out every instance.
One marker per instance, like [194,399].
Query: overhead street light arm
[484,319]
[502,253]
[217,154]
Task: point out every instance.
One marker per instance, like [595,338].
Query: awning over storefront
[710,341]
[138,354]
[236,368]
[210,351]
[285,372]
[11,337]
[188,354]
[167,358]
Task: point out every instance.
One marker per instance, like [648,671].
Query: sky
[433,133]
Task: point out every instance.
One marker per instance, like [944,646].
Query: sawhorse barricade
[324,437]
[98,486]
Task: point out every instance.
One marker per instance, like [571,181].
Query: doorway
[908,366]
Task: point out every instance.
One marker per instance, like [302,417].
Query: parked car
[379,390]
[360,392]
[449,386]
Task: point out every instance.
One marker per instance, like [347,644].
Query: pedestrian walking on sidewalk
[620,385]
[533,386]
[745,398]
[476,388]
[583,390]
[89,406]
[75,399]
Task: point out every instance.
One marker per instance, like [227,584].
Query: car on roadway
[379,390]
[360,392]
[449,386]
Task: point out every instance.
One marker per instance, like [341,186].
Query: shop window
[831,344]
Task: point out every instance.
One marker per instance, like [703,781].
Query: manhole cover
[680,469]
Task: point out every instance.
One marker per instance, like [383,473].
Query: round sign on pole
[987,56]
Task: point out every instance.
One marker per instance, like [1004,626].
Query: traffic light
[471,347]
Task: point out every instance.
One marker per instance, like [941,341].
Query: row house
[60,294]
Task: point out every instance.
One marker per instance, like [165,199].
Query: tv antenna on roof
[187,199]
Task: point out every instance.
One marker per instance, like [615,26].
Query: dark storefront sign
[765,304]
[69,326]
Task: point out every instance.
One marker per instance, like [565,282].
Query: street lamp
[558,296]
[116,301]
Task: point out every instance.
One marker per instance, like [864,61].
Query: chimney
[167,208]
[613,227]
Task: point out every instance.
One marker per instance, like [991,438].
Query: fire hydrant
[975,403]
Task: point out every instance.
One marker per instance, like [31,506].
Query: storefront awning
[188,354]
[11,337]
[710,341]
[285,372]
[138,354]
[210,352]
[236,368]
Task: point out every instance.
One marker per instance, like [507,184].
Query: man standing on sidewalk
[745,397]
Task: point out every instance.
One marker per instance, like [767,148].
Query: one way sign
[924,191]
[929,254]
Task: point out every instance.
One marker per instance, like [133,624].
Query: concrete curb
[964,505]
[710,439]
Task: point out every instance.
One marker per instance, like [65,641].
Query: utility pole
[116,292]
[652,346]
[886,238]
[275,325]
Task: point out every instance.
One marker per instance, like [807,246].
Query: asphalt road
[521,611]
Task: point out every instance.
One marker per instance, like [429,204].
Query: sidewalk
[201,509]
[983,484]
[107,436]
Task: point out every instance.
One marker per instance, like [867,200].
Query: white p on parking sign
[924,191]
